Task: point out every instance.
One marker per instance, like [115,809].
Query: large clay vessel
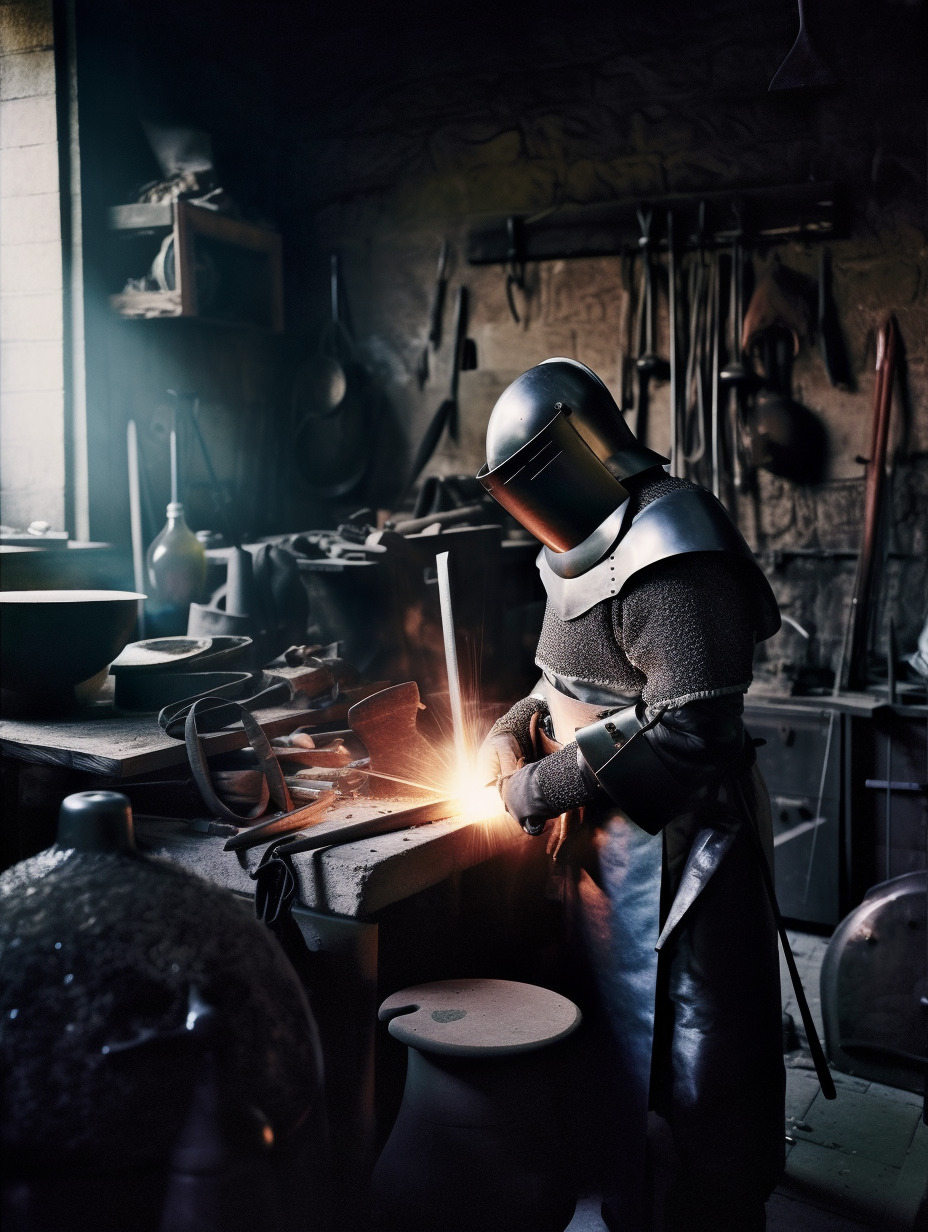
[162,1067]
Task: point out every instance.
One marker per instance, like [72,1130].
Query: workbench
[375,915]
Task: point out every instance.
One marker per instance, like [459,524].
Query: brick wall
[32,431]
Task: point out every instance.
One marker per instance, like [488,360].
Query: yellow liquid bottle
[176,562]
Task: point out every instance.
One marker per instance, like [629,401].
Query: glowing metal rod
[394,778]
[443,562]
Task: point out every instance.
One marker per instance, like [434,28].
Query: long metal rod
[715,426]
[865,589]
[135,522]
[443,563]
[674,345]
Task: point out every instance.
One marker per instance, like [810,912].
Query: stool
[474,1147]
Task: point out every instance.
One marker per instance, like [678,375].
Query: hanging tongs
[696,379]
[734,376]
[436,313]
[515,262]
[648,365]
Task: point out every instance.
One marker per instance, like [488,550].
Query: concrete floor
[856,1163]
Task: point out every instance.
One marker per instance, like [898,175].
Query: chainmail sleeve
[686,624]
[517,721]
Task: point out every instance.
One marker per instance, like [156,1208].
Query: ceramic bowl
[56,645]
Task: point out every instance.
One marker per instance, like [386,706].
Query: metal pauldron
[629,771]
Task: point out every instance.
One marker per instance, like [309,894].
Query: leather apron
[644,891]
[618,914]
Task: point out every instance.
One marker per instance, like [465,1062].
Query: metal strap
[273,786]
[826,1082]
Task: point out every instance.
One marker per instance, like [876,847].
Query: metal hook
[515,262]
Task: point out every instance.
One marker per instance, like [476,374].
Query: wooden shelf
[224,270]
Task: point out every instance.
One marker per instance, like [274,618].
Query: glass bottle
[176,562]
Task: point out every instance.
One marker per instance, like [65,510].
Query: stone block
[30,318]
[30,269]
[35,221]
[31,446]
[26,74]
[801,1089]
[458,148]
[30,411]
[909,1192]
[791,1214]
[38,460]
[26,26]
[839,1182]
[28,121]
[30,169]
[32,457]
[40,501]
[861,1126]
[26,366]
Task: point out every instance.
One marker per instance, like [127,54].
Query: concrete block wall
[32,394]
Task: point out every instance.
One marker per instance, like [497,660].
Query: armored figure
[632,741]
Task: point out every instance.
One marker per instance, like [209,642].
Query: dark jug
[161,1063]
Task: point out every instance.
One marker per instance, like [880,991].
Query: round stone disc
[478,1017]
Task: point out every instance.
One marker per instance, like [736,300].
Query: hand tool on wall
[515,263]
[447,413]
[716,423]
[861,603]
[630,340]
[785,437]
[830,338]
[330,442]
[648,365]
[698,359]
[672,309]
[733,375]
[435,316]
[803,67]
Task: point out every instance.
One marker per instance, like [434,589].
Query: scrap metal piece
[336,834]
[386,722]
[307,815]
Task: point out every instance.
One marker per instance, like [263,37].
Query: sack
[262,598]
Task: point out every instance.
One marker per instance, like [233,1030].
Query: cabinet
[801,763]
[175,259]
[841,823]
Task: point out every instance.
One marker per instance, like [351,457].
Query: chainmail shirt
[681,631]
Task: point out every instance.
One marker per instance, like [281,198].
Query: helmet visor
[555,486]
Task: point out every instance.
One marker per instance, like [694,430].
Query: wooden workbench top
[103,740]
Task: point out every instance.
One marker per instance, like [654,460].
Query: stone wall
[32,416]
[422,131]
[379,133]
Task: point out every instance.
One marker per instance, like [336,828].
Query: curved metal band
[618,753]
[688,520]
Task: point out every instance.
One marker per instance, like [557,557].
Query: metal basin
[54,640]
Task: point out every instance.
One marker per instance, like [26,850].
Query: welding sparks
[478,803]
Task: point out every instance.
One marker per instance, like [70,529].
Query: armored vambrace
[648,766]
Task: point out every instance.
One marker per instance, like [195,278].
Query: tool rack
[708,220]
